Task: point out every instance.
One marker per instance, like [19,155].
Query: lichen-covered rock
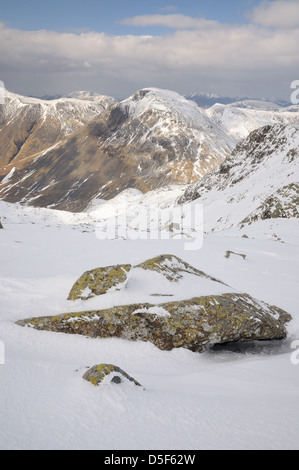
[172,267]
[195,324]
[99,281]
[98,373]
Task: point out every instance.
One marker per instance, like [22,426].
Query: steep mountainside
[30,126]
[259,180]
[65,153]
[152,139]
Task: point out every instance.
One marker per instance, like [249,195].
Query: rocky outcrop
[172,267]
[282,204]
[114,374]
[99,281]
[195,324]
[258,181]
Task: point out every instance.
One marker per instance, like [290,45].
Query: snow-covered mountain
[30,126]
[240,118]
[152,139]
[65,153]
[225,389]
[260,180]
[206,100]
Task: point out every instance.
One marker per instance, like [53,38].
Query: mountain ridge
[152,139]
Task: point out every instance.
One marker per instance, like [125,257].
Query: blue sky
[115,47]
[106,15]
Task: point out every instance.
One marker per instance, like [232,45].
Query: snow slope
[259,168]
[240,118]
[224,399]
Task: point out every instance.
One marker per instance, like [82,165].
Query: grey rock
[98,373]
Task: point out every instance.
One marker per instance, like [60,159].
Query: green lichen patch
[98,373]
[194,324]
[99,281]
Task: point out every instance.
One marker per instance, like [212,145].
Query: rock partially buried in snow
[99,281]
[195,324]
[228,253]
[97,375]
[172,267]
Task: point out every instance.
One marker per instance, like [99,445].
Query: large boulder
[195,324]
[169,269]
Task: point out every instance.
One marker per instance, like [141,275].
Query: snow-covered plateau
[241,396]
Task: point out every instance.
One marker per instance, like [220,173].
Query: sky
[115,47]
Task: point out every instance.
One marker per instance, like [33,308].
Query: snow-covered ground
[246,398]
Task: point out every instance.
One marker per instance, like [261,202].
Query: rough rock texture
[99,281]
[172,267]
[195,324]
[283,204]
[250,156]
[98,373]
[258,181]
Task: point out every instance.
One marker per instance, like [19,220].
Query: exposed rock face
[259,180]
[195,324]
[99,281]
[30,126]
[97,374]
[282,204]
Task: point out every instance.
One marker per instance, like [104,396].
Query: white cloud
[175,21]
[278,14]
[199,55]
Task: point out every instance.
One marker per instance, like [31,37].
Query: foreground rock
[99,281]
[97,375]
[195,324]
[171,268]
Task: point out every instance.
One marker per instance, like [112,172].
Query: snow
[68,113]
[245,398]
[241,397]
[238,119]
[8,176]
